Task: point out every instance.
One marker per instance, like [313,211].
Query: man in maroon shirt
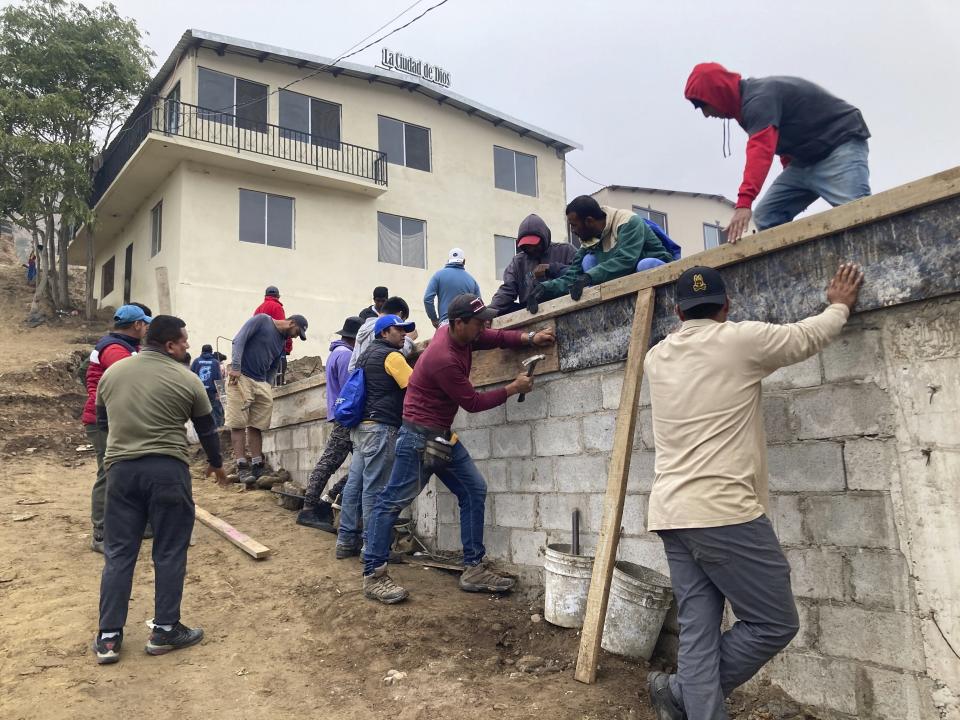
[439,386]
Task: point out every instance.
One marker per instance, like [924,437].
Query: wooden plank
[892,202]
[226,530]
[495,366]
[606,555]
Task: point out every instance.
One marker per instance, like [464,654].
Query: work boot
[661,697]
[347,551]
[318,517]
[480,578]
[244,475]
[96,541]
[179,636]
[380,587]
[107,649]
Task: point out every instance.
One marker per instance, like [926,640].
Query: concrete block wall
[296,448]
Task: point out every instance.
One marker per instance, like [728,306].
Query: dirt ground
[288,636]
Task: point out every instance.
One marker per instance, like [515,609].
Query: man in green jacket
[614,243]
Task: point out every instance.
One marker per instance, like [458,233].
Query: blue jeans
[590,261]
[373,447]
[841,177]
[407,480]
[217,407]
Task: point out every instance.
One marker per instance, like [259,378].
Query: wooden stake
[596,611]
[226,530]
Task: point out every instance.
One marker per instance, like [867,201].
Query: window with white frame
[266,219]
[231,100]
[514,171]
[504,250]
[660,218]
[308,119]
[713,236]
[401,240]
[404,144]
[156,228]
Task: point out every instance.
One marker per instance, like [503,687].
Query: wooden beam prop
[596,611]
[226,530]
[892,202]
[495,366]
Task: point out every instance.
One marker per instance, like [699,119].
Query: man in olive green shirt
[143,404]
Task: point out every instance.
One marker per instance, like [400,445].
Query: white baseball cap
[456,256]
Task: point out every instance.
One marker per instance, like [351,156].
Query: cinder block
[855,355]
[879,579]
[889,695]
[816,573]
[870,464]
[488,418]
[805,466]
[888,638]
[511,441]
[515,510]
[851,519]
[787,518]
[283,439]
[611,385]
[812,679]
[269,442]
[806,638]
[301,437]
[477,442]
[527,547]
[598,431]
[643,433]
[306,459]
[833,411]
[448,537]
[530,475]
[448,510]
[557,437]
[634,520]
[496,540]
[778,423]
[574,396]
[806,373]
[644,551]
[495,473]
[533,407]
[641,475]
[555,511]
[580,473]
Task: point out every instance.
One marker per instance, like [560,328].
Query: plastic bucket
[566,583]
[639,601]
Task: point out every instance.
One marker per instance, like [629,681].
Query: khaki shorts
[249,404]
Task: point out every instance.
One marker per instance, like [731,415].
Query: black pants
[334,453]
[155,488]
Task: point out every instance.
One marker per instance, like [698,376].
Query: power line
[574,168]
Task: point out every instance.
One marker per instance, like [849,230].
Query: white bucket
[566,583]
[639,601]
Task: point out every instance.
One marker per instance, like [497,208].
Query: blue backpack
[669,245]
[348,409]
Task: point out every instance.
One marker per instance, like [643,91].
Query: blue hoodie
[445,285]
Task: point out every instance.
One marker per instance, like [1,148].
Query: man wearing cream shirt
[709,498]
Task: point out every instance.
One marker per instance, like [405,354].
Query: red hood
[713,84]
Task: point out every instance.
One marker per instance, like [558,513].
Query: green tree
[69,75]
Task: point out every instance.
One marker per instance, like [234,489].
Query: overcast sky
[609,74]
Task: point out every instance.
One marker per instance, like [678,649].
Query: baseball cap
[456,256]
[700,286]
[529,240]
[272,291]
[129,314]
[469,306]
[302,322]
[387,321]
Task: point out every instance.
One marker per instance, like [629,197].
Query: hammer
[530,364]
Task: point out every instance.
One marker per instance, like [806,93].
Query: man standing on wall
[272,306]
[317,509]
[709,499]
[254,360]
[446,283]
[439,386]
[380,295]
[130,324]
[821,141]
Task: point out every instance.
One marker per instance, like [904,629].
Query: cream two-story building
[246,165]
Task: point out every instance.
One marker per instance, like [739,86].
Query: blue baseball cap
[129,314]
[392,321]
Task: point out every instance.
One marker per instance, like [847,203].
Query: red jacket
[108,350]
[274,308]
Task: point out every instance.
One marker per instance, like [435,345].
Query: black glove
[533,302]
[576,290]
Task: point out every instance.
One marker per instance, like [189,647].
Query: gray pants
[745,565]
[155,488]
[98,497]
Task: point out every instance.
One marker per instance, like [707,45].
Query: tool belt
[437,450]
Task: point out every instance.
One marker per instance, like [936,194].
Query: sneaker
[96,542]
[318,517]
[480,578]
[107,649]
[380,587]
[179,636]
[347,551]
[661,697]
[244,475]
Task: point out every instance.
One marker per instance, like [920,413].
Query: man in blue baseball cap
[386,374]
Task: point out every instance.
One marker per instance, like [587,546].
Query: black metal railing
[180,119]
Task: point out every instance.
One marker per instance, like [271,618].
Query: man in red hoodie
[272,306]
[821,141]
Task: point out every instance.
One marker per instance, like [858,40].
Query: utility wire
[574,168]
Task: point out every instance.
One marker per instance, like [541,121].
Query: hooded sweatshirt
[518,277]
[337,372]
[788,116]
[446,283]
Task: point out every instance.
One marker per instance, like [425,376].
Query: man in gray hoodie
[537,260]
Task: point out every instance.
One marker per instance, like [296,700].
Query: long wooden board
[495,366]
[609,538]
[228,531]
